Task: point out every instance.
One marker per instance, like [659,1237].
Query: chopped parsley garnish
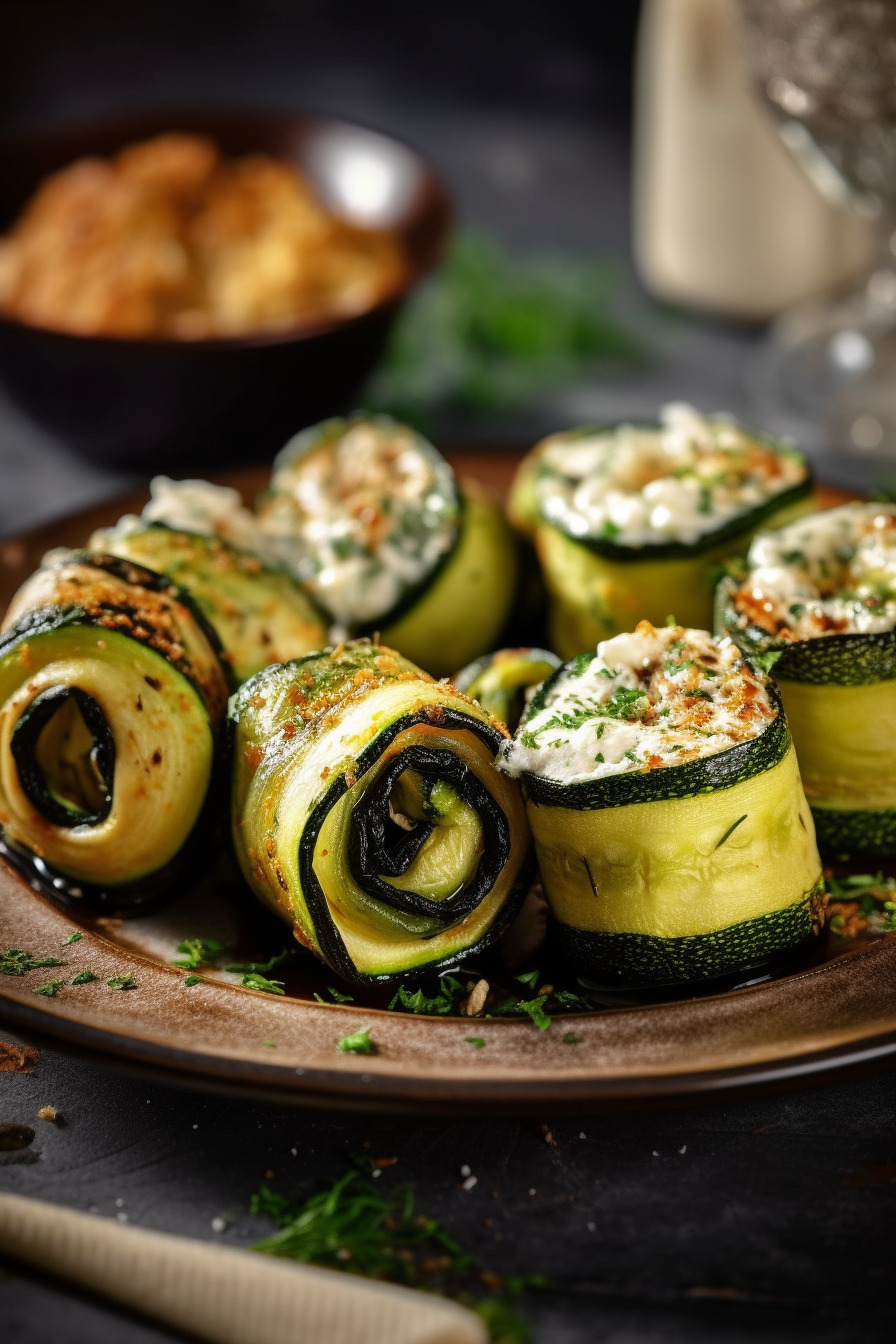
[451,992]
[357,1043]
[198,952]
[570,1038]
[626,703]
[599,758]
[122,982]
[263,967]
[336,996]
[730,831]
[253,980]
[476,1041]
[74,937]
[766,661]
[610,530]
[83,978]
[15,961]
[49,990]
[190,980]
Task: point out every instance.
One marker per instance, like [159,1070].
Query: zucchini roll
[112,703]
[628,521]
[501,681]
[819,600]
[369,517]
[673,835]
[368,813]
[201,536]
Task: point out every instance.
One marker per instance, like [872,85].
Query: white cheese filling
[645,700]
[200,507]
[637,486]
[831,573]
[362,520]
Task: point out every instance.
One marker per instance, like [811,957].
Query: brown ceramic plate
[837,1015]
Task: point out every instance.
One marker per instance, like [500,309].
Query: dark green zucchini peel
[112,701]
[369,815]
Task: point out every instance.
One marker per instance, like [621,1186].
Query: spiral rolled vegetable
[112,703]
[369,815]
[369,517]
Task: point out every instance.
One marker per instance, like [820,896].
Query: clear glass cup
[827,70]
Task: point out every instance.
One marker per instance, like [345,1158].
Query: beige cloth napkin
[222,1294]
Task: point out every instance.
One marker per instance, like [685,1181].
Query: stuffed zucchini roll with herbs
[369,517]
[369,815]
[628,521]
[819,603]
[502,681]
[673,836]
[201,536]
[112,705]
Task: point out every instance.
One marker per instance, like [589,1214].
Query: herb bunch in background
[493,332]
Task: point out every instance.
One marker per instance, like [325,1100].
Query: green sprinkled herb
[49,990]
[533,1008]
[493,331]
[448,998]
[766,661]
[730,831]
[253,980]
[610,530]
[198,952]
[570,1038]
[190,980]
[357,1043]
[74,937]
[599,758]
[625,703]
[336,996]
[83,978]
[476,1041]
[15,961]
[269,1045]
[263,967]
[529,978]
[359,1228]
[122,982]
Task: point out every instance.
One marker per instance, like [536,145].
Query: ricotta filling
[643,701]
[202,508]
[362,520]
[831,573]
[637,485]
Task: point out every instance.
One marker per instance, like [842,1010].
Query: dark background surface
[766,1219]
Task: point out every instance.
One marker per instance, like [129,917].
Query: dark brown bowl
[169,403]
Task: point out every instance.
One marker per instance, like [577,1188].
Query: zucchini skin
[458,606]
[683,874]
[126,650]
[598,588]
[320,746]
[840,695]
[498,681]
[260,615]
[464,606]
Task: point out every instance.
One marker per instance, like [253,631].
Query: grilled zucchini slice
[628,521]
[675,843]
[368,814]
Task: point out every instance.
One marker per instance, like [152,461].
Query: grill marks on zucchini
[368,814]
[112,700]
[259,613]
[838,685]
[671,873]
